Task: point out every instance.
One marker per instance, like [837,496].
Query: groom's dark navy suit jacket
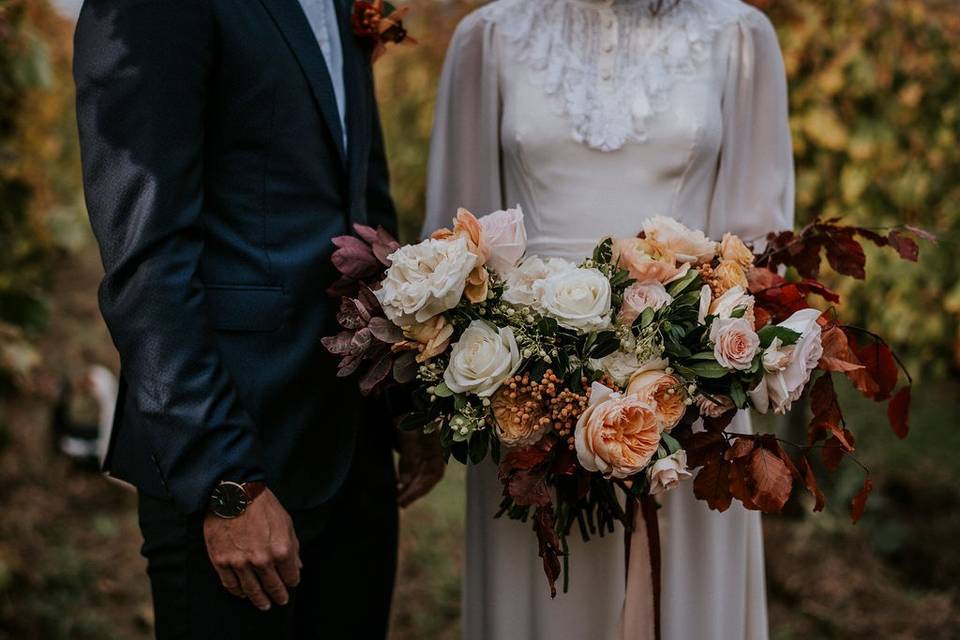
[215,179]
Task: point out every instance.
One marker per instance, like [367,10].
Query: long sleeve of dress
[754,191]
[465,167]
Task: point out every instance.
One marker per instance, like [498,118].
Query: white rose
[506,238]
[688,245]
[641,296]
[519,281]
[578,299]
[425,279]
[732,299]
[482,359]
[667,473]
[735,343]
[622,365]
[788,369]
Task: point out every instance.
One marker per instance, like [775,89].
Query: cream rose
[788,369]
[519,282]
[637,257]
[664,391]
[482,359]
[640,296]
[425,279]
[732,299]
[506,238]
[617,435]
[686,244]
[621,365]
[578,299]
[667,473]
[735,343]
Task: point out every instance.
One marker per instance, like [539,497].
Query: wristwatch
[231,499]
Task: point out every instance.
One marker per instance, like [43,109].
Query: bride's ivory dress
[593,115]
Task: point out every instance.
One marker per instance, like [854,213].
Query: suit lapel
[290,19]
[358,86]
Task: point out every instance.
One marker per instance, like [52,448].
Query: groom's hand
[256,555]
[421,465]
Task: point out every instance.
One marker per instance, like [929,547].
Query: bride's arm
[755,186]
[464,168]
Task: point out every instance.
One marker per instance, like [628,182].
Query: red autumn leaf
[704,447]
[761,318]
[904,244]
[712,484]
[827,416]
[860,500]
[804,256]
[528,488]
[721,423]
[525,457]
[846,256]
[881,366]
[837,355]
[810,482]
[834,450]
[812,286]
[771,481]
[771,443]
[760,279]
[544,524]
[873,236]
[741,448]
[898,411]
[740,484]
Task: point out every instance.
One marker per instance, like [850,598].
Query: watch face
[228,500]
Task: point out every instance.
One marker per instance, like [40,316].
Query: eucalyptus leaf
[787,336]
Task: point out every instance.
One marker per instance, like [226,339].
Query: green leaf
[441,390]
[703,355]
[671,444]
[684,283]
[768,333]
[739,312]
[646,318]
[414,420]
[709,370]
[547,326]
[479,445]
[737,394]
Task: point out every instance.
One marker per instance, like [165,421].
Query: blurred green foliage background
[875,113]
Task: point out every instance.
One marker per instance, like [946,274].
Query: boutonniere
[380,23]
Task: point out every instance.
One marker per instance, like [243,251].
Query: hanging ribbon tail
[640,619]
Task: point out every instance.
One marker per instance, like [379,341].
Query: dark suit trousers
[349,553]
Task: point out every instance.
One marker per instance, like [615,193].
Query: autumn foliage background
[875,113]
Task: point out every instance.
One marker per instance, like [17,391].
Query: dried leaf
[703,447]
[740,484]
[528,488]
[881,367]
[898,411]
[544,524]
[771,481]
[810,482]
[860,500]
[385,331]
[742,447]
[837,355]
[846,256]
[339,344]
[827,416]
[712,484]
[834,450]
[904,244]
[376,374]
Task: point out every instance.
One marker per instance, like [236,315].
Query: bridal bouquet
[596,383]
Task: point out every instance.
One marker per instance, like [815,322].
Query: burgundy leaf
[376,374]
[898,411]
[405,367]
[385,331]
[846,256]
[860,500]
[339,344]
[367,233]
[905,245]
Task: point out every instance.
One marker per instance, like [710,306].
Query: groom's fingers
[230,581]
[272,584]
[252,589]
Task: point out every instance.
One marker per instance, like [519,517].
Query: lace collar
[608,65]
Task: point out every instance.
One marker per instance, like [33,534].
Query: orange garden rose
[729,274]
[664,391]
[732,248]
[618,434]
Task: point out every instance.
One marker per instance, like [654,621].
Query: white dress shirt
[322,16]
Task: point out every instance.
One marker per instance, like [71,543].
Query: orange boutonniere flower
[380,23]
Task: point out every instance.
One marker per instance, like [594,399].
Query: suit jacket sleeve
[142,70]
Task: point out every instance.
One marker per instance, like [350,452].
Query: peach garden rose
[664,391]
[618,434]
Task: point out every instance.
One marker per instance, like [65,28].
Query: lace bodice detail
[608,65]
